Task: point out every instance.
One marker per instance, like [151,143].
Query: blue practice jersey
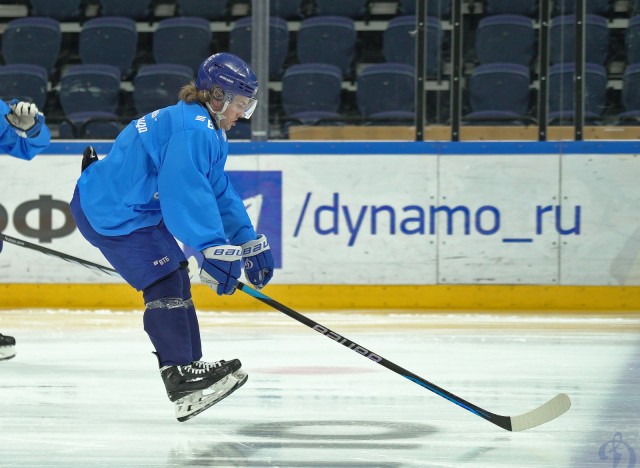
[21,147]
[167,165]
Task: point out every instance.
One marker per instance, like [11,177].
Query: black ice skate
[7,347]
[195,388]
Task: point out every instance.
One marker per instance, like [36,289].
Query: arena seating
[337,35]
[371,42]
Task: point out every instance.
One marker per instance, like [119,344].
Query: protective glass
[246,104]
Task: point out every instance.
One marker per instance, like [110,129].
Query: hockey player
[23,134]
[164,178]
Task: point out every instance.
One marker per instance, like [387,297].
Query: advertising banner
[337,214]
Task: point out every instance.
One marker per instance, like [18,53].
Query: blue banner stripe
[296,148]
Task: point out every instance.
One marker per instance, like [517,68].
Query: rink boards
[376,225]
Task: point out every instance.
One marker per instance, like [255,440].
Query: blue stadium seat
[562,38]
[338,38]
[631,95]
[312,92]
[137,9]
[85,88]
[632,40]
[311,95]
[94,125]
[399,42]
[32,40]
[505,39]
[386,87]
[89,96]
[209,9]
[156,86]
[60,10]
[512,7]
[240,43]
[593,7]
[109,40]
[350,8]
[437,8]
[498,94]
[25,83]
[288,9]
[184,40]
[562,92]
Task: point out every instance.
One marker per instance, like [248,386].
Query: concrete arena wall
[391,226]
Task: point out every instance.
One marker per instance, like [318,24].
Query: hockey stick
[55,253]
[550,410]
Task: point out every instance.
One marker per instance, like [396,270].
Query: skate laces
[185,370]
[193,370]
[208,365]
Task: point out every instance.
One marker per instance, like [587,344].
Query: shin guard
[166,321]
[196,344]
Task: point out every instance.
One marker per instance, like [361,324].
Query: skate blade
[196,403]
[8,352]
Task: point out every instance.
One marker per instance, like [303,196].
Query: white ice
[84,391]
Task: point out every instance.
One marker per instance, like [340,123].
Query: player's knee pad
[164,290]
[168,303]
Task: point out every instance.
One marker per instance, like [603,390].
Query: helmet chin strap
[217,115]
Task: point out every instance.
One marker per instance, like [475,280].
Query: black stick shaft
[55,253]
[502,421]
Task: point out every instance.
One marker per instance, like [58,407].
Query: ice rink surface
[84,391]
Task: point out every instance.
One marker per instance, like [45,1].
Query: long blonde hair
[189,93]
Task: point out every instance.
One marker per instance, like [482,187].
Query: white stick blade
[553,408]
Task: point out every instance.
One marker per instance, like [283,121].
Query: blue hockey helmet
[230,74]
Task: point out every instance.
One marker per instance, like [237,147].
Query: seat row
[313,93]
[217,9]
[292,9]
[499,93]
[186,40]
[91,93]
[512,38]
[308,87]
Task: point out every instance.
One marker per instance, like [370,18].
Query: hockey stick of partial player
[552,409]
[55,253]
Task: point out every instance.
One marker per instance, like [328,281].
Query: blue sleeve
[12,143]
[235,219]
[193,194]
